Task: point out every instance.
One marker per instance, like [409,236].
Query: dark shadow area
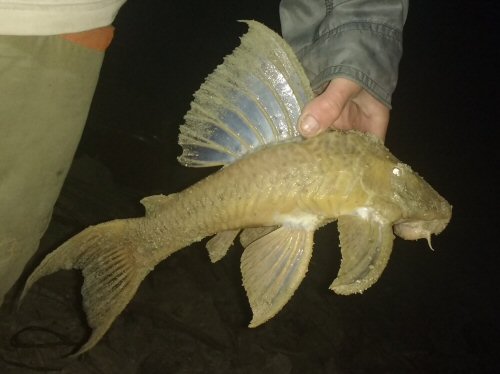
[431,312]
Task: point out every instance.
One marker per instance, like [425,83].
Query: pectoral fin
[218,246]
[366,246]
[273,267]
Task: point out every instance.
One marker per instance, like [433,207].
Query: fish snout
[414,230]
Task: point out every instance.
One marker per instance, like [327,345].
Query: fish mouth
[414,230]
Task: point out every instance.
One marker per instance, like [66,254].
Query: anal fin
[366,245]
[218,246]
[273,267]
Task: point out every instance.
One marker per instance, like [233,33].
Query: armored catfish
[274,185]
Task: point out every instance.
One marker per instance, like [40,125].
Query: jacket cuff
[363,51]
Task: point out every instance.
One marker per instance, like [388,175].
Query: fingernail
[309,125]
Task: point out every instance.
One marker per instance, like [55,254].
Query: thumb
[321,112]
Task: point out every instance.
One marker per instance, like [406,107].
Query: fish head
[422,210]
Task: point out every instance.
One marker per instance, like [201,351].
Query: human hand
[344,105]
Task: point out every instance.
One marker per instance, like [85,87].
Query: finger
[375,115]
[321,112]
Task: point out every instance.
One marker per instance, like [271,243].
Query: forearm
[357,39]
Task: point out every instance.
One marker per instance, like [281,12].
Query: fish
[273,188]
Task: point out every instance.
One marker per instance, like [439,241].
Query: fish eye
[396,171]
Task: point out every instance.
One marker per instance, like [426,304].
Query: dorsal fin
[253,98]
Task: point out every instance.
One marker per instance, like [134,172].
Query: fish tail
[112,266]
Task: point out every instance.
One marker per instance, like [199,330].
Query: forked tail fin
[112,267]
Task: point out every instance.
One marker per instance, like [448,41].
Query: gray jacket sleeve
[357,39]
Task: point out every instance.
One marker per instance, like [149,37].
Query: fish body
[276,187]
[304,184]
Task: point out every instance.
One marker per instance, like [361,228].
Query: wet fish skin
[273,186]
[337,173]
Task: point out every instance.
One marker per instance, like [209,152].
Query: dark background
[431,312]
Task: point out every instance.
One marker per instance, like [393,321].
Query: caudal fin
[112,267]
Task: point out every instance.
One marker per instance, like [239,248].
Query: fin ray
[218,246]
[253,98]
[251,234]
[111,268]
[272,268]
[223,125]
[366,245]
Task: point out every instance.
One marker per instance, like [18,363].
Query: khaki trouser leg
[46,87]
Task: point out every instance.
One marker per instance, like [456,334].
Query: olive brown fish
[274,185]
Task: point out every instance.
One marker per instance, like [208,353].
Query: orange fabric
[98,39]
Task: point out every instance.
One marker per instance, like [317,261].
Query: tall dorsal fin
[253,98]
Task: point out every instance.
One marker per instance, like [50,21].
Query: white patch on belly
[303,220]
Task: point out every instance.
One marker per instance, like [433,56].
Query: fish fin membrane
[112,270]
[366,245]
[272,268]
[251,234]
[253,98]
[218,246]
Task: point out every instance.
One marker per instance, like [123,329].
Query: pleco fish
[276,186]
